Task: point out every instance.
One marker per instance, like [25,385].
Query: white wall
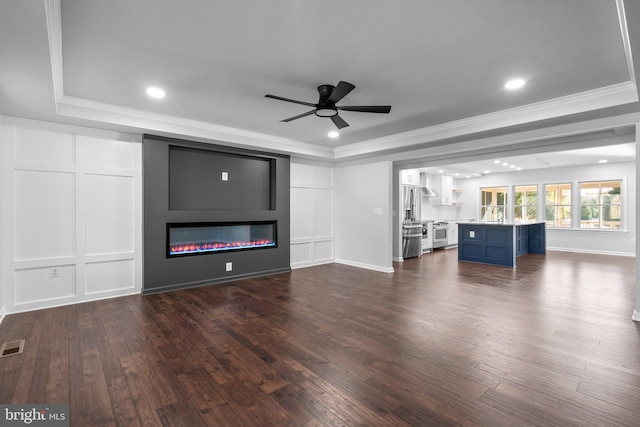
[72,210]
[636,312]
[312,231]
[3,142]
[612,242]
[363,215]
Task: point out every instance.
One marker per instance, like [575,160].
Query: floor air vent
[11,348]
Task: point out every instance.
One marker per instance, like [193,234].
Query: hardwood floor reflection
[438,342]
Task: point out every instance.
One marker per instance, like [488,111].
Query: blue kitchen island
[500,243]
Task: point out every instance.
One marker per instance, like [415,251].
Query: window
[494,203]
[526,203]
[600,204]
[558,205]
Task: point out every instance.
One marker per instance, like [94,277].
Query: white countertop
[501,223]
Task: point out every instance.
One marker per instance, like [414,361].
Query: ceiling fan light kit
[329,95]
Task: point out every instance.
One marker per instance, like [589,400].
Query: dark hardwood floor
[436,343]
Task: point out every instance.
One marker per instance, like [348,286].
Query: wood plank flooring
[437,343]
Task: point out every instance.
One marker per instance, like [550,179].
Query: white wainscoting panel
[311,214]
[44,206]
[109,276]
[110,214]
[324,250]
[38,146]
[300,253]
[108,153]
[301,213]
[71,215]
[37,284]
[323,217]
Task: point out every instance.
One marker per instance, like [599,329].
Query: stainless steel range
[440,234]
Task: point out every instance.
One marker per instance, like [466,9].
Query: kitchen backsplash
[429,211]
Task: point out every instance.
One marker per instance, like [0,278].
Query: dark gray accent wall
[182,182]
[195,180]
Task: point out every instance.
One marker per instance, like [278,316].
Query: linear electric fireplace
[185,239]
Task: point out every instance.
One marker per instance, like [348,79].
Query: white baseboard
[592,251]
[365,266]
[2,314]
[311,264]
[43,305]
[636,315]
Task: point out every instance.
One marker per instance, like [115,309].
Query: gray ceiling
[441,65]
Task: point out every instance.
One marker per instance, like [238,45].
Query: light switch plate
[229,266]
[472,234]
[225,176]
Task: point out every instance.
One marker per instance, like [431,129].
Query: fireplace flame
[191,248]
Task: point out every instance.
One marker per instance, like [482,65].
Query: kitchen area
[430,212]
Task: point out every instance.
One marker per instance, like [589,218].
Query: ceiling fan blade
[309,104]
[339,122]
[367,108]
[308,113]
[340,91]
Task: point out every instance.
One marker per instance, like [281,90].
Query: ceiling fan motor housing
[326,108]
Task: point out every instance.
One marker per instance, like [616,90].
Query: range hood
[427,191]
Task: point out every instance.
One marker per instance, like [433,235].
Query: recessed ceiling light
[512,166]
[440,171]
[487,172]
[497,162]
[505,164]
[518,168]
[333,134]
[602,161]
[514,84]
[457,173]
[155,92]
[468,176]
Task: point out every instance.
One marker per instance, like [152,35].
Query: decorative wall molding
[84,194]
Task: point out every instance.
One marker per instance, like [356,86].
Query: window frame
[525,207]
[494,213]
[556,206]
[600,205]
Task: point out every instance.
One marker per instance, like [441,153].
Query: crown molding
[53,15]
[609,96]
[626,43]
[604,97]
[176,126]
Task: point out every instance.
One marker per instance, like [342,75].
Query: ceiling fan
[326,106]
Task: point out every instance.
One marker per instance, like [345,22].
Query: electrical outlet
[229,266]
[472,234]
[225,176]
[54,272]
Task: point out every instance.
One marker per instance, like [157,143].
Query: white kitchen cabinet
[443,185]
[410,177]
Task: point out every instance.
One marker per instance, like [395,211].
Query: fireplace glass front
[206,238]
